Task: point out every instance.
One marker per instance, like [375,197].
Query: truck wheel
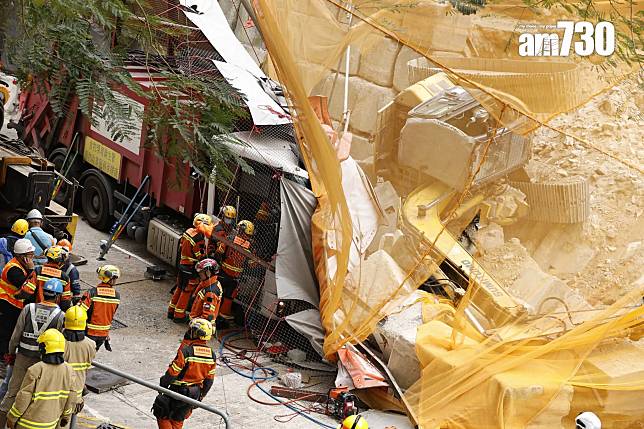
[97,192]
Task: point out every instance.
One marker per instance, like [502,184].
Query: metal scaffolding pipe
[165,391]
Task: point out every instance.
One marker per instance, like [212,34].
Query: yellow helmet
[354,422]
[75,318]
[229,211]
[56,254]
[202,218]
[20,227]
[246,226]
[201,328]
[53,340]
[108,272]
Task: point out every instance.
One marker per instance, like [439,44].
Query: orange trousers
[178,307]
[172,424]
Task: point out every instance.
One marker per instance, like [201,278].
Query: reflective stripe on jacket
[193,364]
[8,290]
[233,264]
[208,300]
[192,247]
[36,281]
[38,318]
[79,355]
[101,303]
[48,392]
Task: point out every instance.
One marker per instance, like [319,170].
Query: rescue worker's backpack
[161,406]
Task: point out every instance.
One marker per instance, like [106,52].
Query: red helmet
[207,264]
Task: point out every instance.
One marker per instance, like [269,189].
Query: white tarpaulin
[240,70]
[263,109]
[213,24]
[269,150]
[366,213]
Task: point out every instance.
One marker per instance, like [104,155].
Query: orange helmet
[66,244]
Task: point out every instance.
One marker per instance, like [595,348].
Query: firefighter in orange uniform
[32,289]
[233,265]
[101,303]
[223,230]
[193,249]
[208,293]
[191,374]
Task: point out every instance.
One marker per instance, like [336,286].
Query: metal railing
[163,390]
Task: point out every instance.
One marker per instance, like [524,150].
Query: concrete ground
[148,344]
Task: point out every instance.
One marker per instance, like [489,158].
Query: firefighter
[354,422]
[34,319]
[31,290]
[19,229]
[208,293]
[70,269]
[266,227]
[223,230]
[39,238]
[47,396]
[191,374]
[13,276]
[193,248]
[101,303]
[80,351]
[233,266]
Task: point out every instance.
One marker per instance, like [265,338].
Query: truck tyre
[97,200]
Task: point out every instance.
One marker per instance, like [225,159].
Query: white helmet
[23,246]
[587,420]
[34,214]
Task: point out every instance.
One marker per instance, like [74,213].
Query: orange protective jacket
[233,264]
[194,365]
[8,289]
[34,285]
[101,303]
[192,247]
[207,300]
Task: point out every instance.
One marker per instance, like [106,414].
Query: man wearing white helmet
[588,420]
[13,276]
[39,238]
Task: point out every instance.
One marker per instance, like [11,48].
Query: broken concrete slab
[488,238]
[378,59]
[564,252]
[401,70]
[544,293]
[361,148]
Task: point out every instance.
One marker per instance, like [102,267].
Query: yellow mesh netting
[508,189]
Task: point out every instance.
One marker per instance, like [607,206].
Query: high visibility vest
[8,290]
[233,264]
[40,317]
